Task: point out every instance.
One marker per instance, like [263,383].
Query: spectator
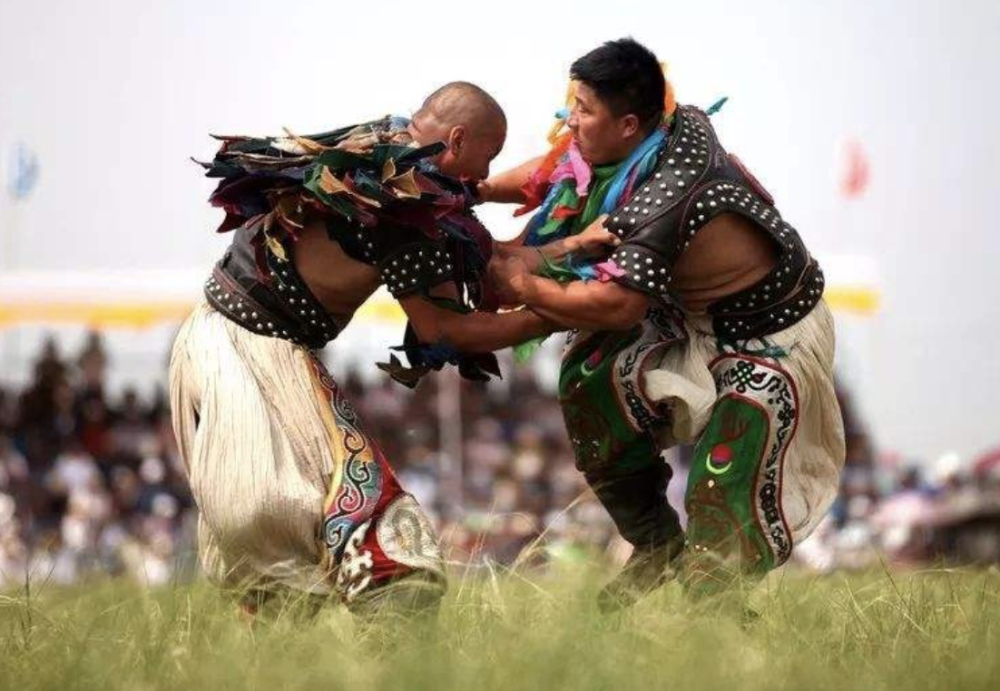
[91,483]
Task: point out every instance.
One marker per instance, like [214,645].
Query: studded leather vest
[273,300]
[694,181]
[274,303]
[382,201]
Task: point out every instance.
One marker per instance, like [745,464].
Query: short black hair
[627,77]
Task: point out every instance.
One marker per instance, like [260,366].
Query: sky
[115,96]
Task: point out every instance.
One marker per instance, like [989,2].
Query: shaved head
[470,123]
[462,103]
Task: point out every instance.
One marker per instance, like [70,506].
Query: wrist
[572,244]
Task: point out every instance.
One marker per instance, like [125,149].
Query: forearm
[578,305]
[554,252]
[484,332]
[505,187]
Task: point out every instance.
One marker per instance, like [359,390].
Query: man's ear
[456,139]
[630,125]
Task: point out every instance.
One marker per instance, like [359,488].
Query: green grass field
[936,629]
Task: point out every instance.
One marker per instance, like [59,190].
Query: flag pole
[21,176]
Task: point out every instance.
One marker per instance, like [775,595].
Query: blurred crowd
[907,511]
[88,484]
[91,484]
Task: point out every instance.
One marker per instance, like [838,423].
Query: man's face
[468,157]
[602,136]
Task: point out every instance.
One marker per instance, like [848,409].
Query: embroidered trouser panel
[763,416]
[290,488]
[612,426]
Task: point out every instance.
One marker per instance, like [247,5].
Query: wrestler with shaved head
[469,121]
[292,491]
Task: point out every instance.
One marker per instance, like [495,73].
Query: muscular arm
[476,332]
[593,241]
[532,256]
[589,305]
[505,187]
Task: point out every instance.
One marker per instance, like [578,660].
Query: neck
[629,146]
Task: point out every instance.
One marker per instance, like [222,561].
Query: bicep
[624,305]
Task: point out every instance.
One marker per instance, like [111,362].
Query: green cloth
[567,196]
[589,395]
[599,184]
